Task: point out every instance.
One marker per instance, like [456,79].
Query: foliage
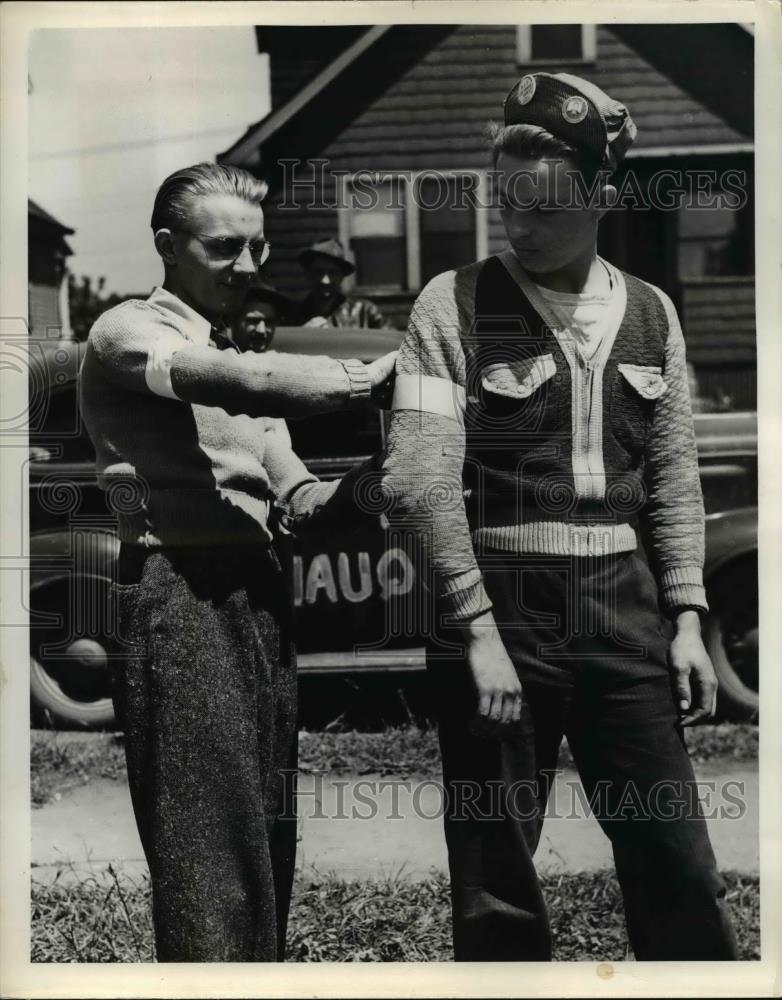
[106,918]
[86,302]
[103,917]
[59,761]
[413,752]
[403,752]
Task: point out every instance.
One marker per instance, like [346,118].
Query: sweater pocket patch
[647,380]
[518,379]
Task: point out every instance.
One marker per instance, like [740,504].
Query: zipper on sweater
[589,487]
[590,378]
[586,488]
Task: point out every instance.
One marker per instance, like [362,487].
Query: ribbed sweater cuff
[683,586]
[463,597]
[358,376]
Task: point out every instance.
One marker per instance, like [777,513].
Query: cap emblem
[574,109]
[526,90]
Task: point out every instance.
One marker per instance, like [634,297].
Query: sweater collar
[191,323]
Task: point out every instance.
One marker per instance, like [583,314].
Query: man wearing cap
[255,326]
[541,423]
[326,265]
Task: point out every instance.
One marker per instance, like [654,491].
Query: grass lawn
[106,918]
[59,762]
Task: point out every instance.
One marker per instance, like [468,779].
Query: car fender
[730,632]
[730,535]
[55,555]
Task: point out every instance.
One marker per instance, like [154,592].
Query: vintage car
[354,592]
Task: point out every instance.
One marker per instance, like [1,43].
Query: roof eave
[249,144]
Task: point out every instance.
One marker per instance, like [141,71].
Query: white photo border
[21,978]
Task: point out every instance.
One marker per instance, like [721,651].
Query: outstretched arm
[140,351]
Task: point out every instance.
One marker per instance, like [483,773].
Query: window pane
[447,225]
[706,222]
[377,233]
[556,41]
[380,262]
[710,242]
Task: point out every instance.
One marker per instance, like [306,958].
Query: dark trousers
[586,638]
[207,700]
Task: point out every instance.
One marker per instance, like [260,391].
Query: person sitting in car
[326,265]
[263,309]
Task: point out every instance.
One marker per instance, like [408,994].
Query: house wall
[434,116]
[45,279]
[300,53]
[718,316]
[45,318]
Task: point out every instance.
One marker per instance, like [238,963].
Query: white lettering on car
[298,581]
[320,577]
[365,577]
[394,585]
[394,571]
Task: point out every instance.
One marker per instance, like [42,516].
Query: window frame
[704,241]
[412,233]
[524,56]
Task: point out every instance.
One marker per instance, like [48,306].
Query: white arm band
[158,370]
[430,395]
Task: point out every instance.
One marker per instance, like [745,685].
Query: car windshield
[336,435]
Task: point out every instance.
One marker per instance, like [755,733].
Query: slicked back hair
[174,198]
[534,142]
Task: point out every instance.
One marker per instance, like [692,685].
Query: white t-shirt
[591,313]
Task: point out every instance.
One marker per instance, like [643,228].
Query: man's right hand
[381,374]
[496,682]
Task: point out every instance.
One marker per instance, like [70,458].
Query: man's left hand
[695,682]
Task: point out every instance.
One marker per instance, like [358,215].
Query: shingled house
[412,101]
[47,283]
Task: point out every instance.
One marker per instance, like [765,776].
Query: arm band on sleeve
[429,394]
[158,369]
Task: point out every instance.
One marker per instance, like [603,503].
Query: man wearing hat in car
[264,308]
[326,265]
[541,425]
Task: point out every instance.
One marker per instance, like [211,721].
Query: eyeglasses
[227,249]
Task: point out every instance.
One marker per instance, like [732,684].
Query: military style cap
[575,111]
[329,248]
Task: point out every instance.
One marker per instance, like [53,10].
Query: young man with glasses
[201,476]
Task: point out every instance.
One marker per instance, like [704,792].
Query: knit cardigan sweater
[505,436]
[189,445]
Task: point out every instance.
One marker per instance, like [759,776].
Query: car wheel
[53,704]
[730,634]
[70,675]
